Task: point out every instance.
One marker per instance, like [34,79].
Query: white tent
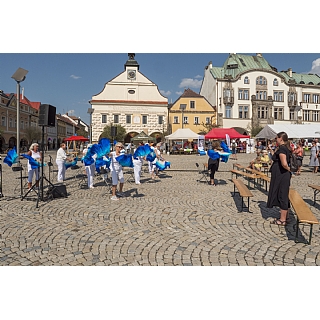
[182,134]
[294,131]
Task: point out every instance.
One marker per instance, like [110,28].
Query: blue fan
[102,148]
[224,147]
[101,162]
[125,160]
[71,164]
[224,156]
[142,151]
[11,157]
[201,152]
[33,163]
[162,165]
[151,156]
[88,158]
[214,155]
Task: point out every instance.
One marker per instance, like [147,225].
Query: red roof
[220,133]
[25,100]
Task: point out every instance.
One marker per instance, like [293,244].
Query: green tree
[121,132]
[255,130]
[33,134]
[207,127]
[82,132]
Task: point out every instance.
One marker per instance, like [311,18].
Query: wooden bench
[261,176]
[243,191]
[249,176]
[303,212]
[238,166]
[316,190]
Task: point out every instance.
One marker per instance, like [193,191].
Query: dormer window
[261,80]
[275,82]
[246,80]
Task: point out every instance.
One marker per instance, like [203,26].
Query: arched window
[275,82]
[246,80]
[261,80]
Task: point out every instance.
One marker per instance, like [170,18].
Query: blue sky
[68,81]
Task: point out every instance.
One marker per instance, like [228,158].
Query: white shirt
[114,165]
[61,155]
[34,155]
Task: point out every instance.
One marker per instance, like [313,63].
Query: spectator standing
[314,162]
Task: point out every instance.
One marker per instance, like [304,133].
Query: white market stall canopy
[182,134]
[294,131]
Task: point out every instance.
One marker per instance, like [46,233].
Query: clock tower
[131,67]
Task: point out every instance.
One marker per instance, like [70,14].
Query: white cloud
[179,93]
[198,76]
[315,66]
[70,112]
[190,83]
[75,77]
[165,93]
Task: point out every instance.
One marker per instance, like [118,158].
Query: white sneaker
[138,183]
[92,187]
[114,198]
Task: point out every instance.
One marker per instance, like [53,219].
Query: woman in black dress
[280,179]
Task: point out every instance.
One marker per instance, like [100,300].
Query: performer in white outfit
[35,154]
[90,169]
[60,161]
[116,171]
[137,167]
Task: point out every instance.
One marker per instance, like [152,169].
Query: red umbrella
[76,138]
[220,133]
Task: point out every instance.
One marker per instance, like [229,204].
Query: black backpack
[293,162]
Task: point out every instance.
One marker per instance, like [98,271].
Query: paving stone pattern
[171,221]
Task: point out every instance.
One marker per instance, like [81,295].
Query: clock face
[131,74]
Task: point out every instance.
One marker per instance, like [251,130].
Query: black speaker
[47,115]
[113,131]
[58,191]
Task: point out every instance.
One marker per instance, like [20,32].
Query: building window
[185,120]
[278,95]
[243,112]
[22,124]
[261,80]
[292,115]
[261,95]
[306,115]
[306,97]
[160,119]
[15,123]
[144,119]
[10,123]
[192,104]
[291,96]
[315,115]
[3,121]
[175,119]
[246,80]
[262,112]
[228,112]
[278,113]
[243,94]
[275,82]
[115,118]
[104,118]
[315,98]
[207,120]
[128,118]
[196,120]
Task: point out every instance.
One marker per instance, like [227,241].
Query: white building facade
[249,93]
[131,100]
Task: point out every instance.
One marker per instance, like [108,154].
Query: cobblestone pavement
[173,220]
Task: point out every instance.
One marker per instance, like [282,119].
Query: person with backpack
[280,179]
[234,150]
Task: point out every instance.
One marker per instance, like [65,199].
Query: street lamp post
[19,76]
[90,111]
[182,108]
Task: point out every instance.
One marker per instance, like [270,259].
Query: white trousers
[137,166]
[90,174]
[61,170]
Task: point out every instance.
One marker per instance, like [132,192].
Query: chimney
[289,72]
[210,65]
[66,113]
[259,55]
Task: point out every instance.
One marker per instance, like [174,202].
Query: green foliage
[207,127]
[82,132]
[121,132]
[255,131]
[33,134]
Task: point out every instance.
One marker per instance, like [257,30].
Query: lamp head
[20,75]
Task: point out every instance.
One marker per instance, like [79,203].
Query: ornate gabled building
[249,93]
[131,100]
[191,110]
